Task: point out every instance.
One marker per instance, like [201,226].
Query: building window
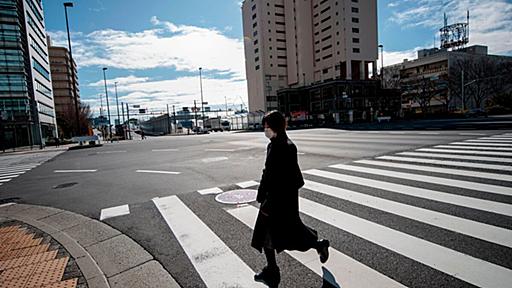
[254,24]
[355,1]
[279,14]
[326,28]
[326,38]
[254,33]
[253,7]
[355,30]
[280,31]
[355,20]
[255,41]
[257,67]
[327,56]
[281,57]
[256,59]
[256,50]
[355,10]
[279,6]
[281,49]
[325,71]
[325,10]
[279,23]
[317,51]
[281,40]
[355,50]
[325,19]
[322,2]
[282,65]
[39,68]
[326,47]
[355,40]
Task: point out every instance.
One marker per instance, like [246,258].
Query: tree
[66,120]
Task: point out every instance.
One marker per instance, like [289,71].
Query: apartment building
[64,88]
[296,43]
[26,98]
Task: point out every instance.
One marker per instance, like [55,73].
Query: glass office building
[27,114]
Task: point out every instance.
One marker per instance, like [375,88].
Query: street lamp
[108,106]
[201,87]
[117,104]
[382,63]
[66,5]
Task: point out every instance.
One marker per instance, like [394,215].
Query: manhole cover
[65,185]
[237,196]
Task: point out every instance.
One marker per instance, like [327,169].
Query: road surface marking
[451,163]
[158,172]
[247,184]
[465,151]
[75,171]
[474,147]
[217,265]
[7,204]
[3,178]
[461,172]
[349,272]
[456,264]
[482,144]
[396,132]
[214,190]
[472,228]
[429,133]
[504,140]
[114,212]
[14,170]
[219,150]
[455,156]
[110,152]
[459,200]
[214,159]
[165,150]
[6,175]
[301,153]
[429,179]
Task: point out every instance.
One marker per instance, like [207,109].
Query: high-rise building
[26,99]
[63,89]
[292,43]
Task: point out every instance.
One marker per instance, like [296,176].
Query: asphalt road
[135,172]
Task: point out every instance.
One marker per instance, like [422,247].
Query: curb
[106,257]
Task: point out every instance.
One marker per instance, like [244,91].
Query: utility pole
[122,111]
[123,125]
[201,87]
[128,122]
[66,5]
[117,104]
[108,106]
[462,92]
[195,112]
[168,121]
[226,102]
[174,120]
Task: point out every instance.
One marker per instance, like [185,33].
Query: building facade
[290,44]
[64,88]
[26,98]
[433,82]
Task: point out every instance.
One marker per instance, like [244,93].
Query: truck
[216,124]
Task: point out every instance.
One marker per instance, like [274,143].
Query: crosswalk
[433,217]
[12,166]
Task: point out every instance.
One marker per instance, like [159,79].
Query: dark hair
[275,120]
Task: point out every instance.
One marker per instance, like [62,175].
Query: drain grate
[65,185]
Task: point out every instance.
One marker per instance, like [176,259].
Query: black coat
[278,194]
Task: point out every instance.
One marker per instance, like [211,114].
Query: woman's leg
[271,258]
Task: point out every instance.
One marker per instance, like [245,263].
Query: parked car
[474,113]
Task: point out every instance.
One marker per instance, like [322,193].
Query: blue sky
[153,48]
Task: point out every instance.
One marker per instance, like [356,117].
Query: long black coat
[278,194]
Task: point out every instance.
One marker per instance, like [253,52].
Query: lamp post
[201,87]
[382,64]
[117,104]
[108,106]
[66,5]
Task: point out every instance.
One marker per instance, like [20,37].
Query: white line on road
[217,265]
[214,159]
[465,151]
[158,172]
[492,140]
[474,147]
[165,150]
[460,172]
[459,200]
[455,156]
[482,144]
[429,133]
[114,212]
[111,152]
[14,170]
[247,184]
[219,150]
[472,134]
[430,179]
[214,190]
[75,171]
[3,176]
[473,270]
[472,228]
[452,163]
[347,271]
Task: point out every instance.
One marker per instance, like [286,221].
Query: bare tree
[66,120]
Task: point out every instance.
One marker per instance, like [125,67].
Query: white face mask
[269,133]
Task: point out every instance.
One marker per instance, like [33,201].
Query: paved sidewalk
[35,149]
[48,247]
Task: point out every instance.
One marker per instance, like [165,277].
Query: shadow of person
[328,279]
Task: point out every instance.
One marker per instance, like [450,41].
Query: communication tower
[456,35]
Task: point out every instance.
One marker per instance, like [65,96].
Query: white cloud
[490,21]
[394,57]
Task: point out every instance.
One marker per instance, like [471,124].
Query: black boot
[269,276]
[323,250]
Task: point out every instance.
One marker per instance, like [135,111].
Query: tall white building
[293,43]
[26,98]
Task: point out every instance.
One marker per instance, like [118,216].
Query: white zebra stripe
[461,157]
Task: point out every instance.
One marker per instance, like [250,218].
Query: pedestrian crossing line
[474,147]
[11,168]
[456,264]
[247,184]
[461,157]
[214,190]
[482,144]
[465,151]
[486,232]
[3,177]
[491,140]
[447,163]
[216,264]
[495,189]
[14,170]
[460,172]
[348,272]
[114,212]
[459,200]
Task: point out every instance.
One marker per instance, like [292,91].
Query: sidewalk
[35,149]
[47,247]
